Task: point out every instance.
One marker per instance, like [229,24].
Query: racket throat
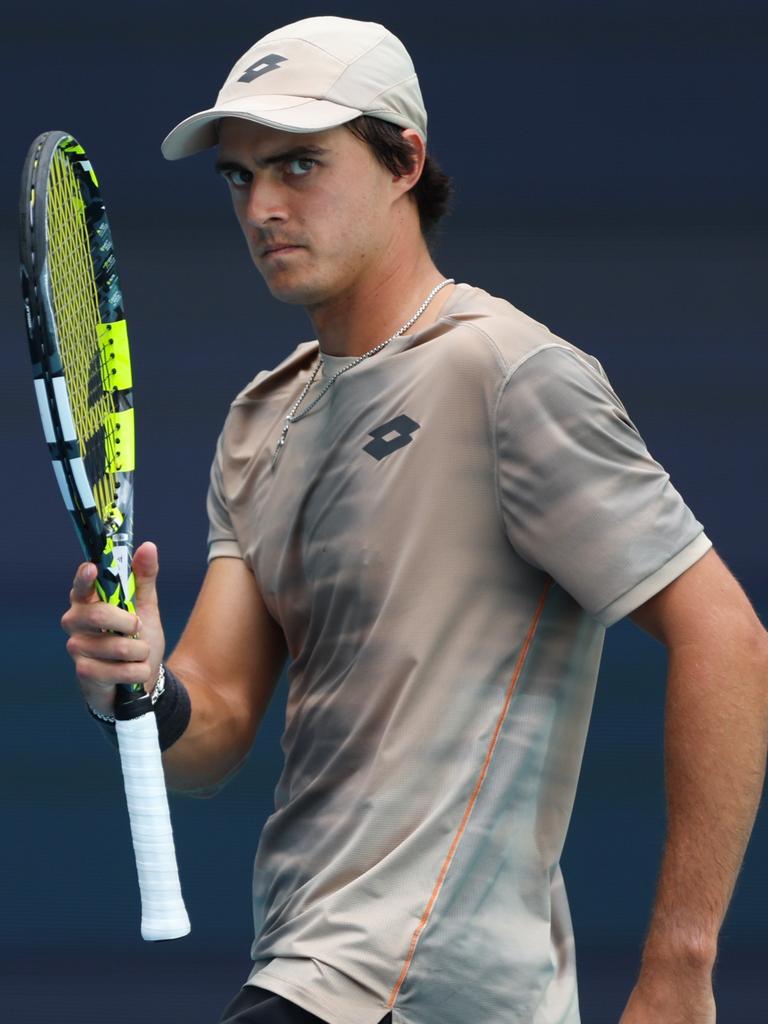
[121,553]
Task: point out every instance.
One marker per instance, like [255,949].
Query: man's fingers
[106,674]
[145,569]
[83,588]
[107,647]
[97,617]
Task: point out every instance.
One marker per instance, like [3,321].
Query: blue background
[609,161]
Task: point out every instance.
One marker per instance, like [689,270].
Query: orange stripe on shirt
[471,802]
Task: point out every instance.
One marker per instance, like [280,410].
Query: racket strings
[76,303]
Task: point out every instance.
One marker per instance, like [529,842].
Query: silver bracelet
[157,692]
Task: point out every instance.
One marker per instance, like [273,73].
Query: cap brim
[286,113]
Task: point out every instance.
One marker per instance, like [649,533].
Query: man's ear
[419,149]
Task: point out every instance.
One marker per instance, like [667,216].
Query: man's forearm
[215,742]
[716,731]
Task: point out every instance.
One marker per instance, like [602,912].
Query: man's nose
[266,202]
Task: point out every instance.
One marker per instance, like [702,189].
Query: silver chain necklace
[292,417]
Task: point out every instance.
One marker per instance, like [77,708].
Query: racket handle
[163,914]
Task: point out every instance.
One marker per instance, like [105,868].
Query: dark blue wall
[609,160]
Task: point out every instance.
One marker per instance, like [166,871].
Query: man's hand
[103,659]
[682,996]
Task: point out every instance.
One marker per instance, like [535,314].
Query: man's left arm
[716,737]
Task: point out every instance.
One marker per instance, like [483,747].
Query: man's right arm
[229,658]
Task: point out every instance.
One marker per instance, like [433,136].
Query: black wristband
[173,710]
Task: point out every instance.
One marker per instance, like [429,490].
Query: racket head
[80,354]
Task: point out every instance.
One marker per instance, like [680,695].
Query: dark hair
[434,190]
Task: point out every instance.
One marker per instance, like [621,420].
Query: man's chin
[294,290]
[292,294]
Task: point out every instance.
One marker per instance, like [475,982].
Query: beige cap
[308,76]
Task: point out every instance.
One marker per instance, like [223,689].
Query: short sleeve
[222,541]
[579,494]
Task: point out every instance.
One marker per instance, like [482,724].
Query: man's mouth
[274,249]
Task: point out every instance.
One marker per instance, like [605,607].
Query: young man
[434,510]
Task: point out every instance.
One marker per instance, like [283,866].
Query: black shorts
[258,1006]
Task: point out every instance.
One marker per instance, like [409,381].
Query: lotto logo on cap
[309,76]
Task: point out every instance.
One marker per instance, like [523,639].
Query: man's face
[327,198]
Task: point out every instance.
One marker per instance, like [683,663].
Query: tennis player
[432,511]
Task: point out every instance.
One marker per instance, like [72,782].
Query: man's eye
[297,162]
[237,176]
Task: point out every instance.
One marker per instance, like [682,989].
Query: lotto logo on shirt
[402,427]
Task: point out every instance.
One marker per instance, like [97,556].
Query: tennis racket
[82,374]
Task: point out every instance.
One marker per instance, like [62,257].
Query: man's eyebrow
[225,164]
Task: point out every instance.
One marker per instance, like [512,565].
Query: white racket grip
[163,914]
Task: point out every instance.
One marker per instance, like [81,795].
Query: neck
[377,305]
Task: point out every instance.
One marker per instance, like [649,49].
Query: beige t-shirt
[443,541]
